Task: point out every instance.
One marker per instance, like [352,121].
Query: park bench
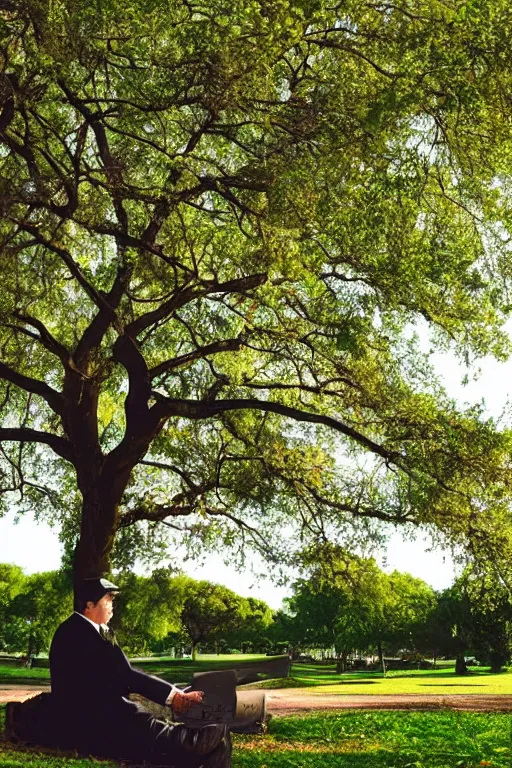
[269,668]
[13,661]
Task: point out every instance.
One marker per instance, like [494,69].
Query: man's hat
[95,589]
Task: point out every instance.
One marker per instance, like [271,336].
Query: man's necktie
[107,634]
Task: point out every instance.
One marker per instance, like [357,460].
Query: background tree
[349,603]
[341,603]
[220,225]
[12,582]
[455,612]
[405,614]
[211,611]
[284,634]
[487,620]
[316,608]
[436,637]
[252,634]
[148,609]
[45,601]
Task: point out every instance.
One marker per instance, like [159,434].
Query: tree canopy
[221,226]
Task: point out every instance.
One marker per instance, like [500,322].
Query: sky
[35,546]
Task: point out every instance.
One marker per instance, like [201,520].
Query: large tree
[221,224]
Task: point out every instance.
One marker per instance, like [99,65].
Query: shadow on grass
[450,685]
[357,682]
[377,677]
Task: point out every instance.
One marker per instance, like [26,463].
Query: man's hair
[80,602]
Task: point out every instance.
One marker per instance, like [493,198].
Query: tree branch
[194,409]
[96,330]
[52,397]
[71,264]
[136,407]
[357,509]
[328,43]
[239,285]
[48,341]
[59,445]
[169,468]
[225,345]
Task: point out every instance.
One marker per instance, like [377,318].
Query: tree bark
[101,493]
[460,665]
[381,658]
[341,664]
[496,660]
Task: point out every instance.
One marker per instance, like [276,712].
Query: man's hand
[181,701]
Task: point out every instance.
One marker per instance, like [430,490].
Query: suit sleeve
[153,688]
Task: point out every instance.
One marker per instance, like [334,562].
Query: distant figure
[91,680]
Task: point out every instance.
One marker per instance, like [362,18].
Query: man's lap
[144,737]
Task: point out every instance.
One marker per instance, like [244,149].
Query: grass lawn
[323,680]
[380,740]
[348,740]
[22,675]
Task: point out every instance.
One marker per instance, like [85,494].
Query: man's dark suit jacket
[91,678]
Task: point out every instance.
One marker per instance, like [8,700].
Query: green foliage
[12,582]
[211,611]
[148,608]
[479,612]
[349,603]
[34,613]
[148,611]
[252,634]
[220,225]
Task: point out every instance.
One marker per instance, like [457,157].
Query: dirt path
[285,701]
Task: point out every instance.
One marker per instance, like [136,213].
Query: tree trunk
[102,486]
[195,646]
[460,665]
[101,479]
[381,658]
[341,664]
[97,531]
[31,650]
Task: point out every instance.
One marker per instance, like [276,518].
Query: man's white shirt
[97,628]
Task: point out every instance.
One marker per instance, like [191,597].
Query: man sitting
[91,680]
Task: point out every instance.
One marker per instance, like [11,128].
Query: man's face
[102,611]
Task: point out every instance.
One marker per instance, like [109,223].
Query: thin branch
[71,264]
[169,468]
[46,338]
[183,297]
[216,347]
